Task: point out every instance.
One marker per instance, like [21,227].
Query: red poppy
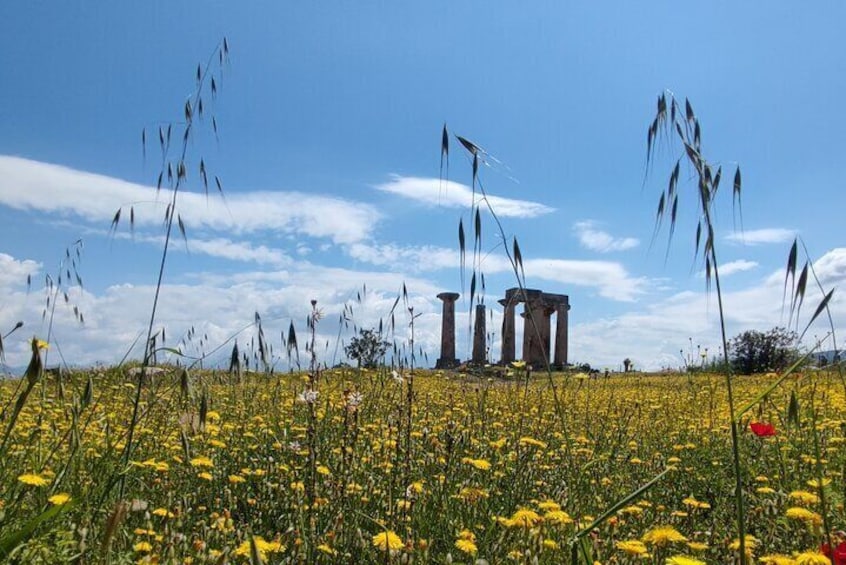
[838,556]
[762,429]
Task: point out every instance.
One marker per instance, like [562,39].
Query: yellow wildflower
[558,517]
[803,514]
[812,558]
[480,464]
[467,545]
[143,547]
[524,518]
[632,547]
[387,541]
[262,546]
[777,559]
[693,503]
[804,497]
[526,440]
[663,535]
[202,462]
[34,480]
[59,498]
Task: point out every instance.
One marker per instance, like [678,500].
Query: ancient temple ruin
[538,309]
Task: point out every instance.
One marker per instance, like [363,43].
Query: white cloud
[598,240]
[223,248]
[219,306]
[450,194]
[609,278]
[13,273]
[398,257]
[761,236]
[831,267]
[733,267]
[26,184]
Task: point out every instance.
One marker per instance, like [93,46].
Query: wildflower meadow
[147,462]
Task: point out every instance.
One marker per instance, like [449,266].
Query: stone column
[533,352]
[508,346]
[561,331]
[479,353]
[447,359]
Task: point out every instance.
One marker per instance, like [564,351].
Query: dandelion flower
[777,559]
[480,464]
[663,535]
[693,503]
[558,517]
[803,514]
[526,440]
[812,558]
[524,518]
[632,547]
[387,541]
[34,480]
[59,499]
[262,546]
[201,462]
[466,543]
[327,549]
[143,547]
[804,497]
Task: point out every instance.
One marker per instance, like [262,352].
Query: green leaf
[10,541]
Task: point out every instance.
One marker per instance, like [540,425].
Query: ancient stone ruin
[538,308]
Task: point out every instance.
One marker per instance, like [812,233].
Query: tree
[758,352]
[367,348]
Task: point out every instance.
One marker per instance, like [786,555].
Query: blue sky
[330,117]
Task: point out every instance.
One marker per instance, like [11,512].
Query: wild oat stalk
[176,173]
[683,126]
[310,398]
[514,255]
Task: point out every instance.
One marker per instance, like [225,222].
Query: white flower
[354,399]
[307,396]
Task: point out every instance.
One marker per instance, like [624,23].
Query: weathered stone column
[508,345]
[479,353]
[447,359]
[561,331]
[533,351]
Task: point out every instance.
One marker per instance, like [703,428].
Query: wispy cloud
[595,239]
[733,267]
[609,278]
[32,185]
[406,258]
[450,194]
[223,248]
[761,236]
